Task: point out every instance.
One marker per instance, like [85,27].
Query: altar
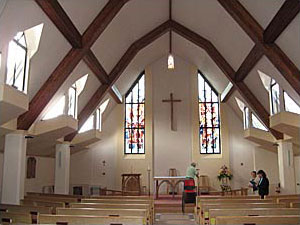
[172,181]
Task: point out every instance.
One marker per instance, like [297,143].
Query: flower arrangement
[224,173]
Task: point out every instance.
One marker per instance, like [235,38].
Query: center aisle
[174,218]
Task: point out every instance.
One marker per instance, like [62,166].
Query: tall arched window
[209,119]
[16,75]
[134,131]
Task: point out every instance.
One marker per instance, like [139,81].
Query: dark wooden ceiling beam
[116,72]
[93,63]
[59,17]
[282,19]
[68,64]
[278,58]
[207,46]
[229,72]
[250,61]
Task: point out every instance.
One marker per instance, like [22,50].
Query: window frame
[25,74]
[131,128]
[212,127]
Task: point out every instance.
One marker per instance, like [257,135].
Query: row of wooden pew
[65,209]
[279,209]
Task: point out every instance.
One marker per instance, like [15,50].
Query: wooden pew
[43,203]
[118,201]
[105,212]
[66,219]
[214,213]
[257,220]
[115,206]
[204,212]
[67,200]
[295,204]
[198,209]
[122,197]
[13,217]
[25,209]
[287,201]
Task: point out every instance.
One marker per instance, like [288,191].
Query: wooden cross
[172,101]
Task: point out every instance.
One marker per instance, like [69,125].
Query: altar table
[172,181]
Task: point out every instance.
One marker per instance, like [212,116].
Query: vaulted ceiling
[123,22]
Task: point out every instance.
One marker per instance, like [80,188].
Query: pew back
[257,220]
[67,219]
[12,217]
[214,213]
[25,209]
[109,206]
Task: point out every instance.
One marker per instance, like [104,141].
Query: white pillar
[286,167]
[14,168]
[62,168]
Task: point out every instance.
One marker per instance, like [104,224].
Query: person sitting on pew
[253,182]
[263,184]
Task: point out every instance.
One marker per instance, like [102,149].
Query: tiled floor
[168,218]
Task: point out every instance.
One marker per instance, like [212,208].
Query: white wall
[268,161]
[44,175]
[172,149]
[1,173]
[241,151]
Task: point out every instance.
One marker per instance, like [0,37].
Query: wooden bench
[13,217]
[53,205]
[214,213]
[118,201]
[105,212]
[67,200]
[287,201]
[199,205]
[295,204]
[25,209]
[204,212]
[67,219]
[257,220]
[114,206]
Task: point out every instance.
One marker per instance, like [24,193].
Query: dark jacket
[263,186]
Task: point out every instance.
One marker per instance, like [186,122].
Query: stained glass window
[209,125]
[16,63]
[134,131]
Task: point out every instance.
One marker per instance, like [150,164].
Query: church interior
[150,112]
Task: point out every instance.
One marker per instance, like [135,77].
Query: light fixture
[171,64]
[171,61]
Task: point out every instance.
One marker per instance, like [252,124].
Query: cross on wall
[171,101]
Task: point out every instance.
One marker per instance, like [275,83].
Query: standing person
[253,182]
[192,172]
[263,184]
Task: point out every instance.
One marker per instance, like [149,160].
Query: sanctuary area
[150,112]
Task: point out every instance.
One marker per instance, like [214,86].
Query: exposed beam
[116,72]
[228,91]
[250,61]
[282,19]
[278,58]
[207,46]
[221,62]
[92,62]
[61,20]
[67,65]
[201,42]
